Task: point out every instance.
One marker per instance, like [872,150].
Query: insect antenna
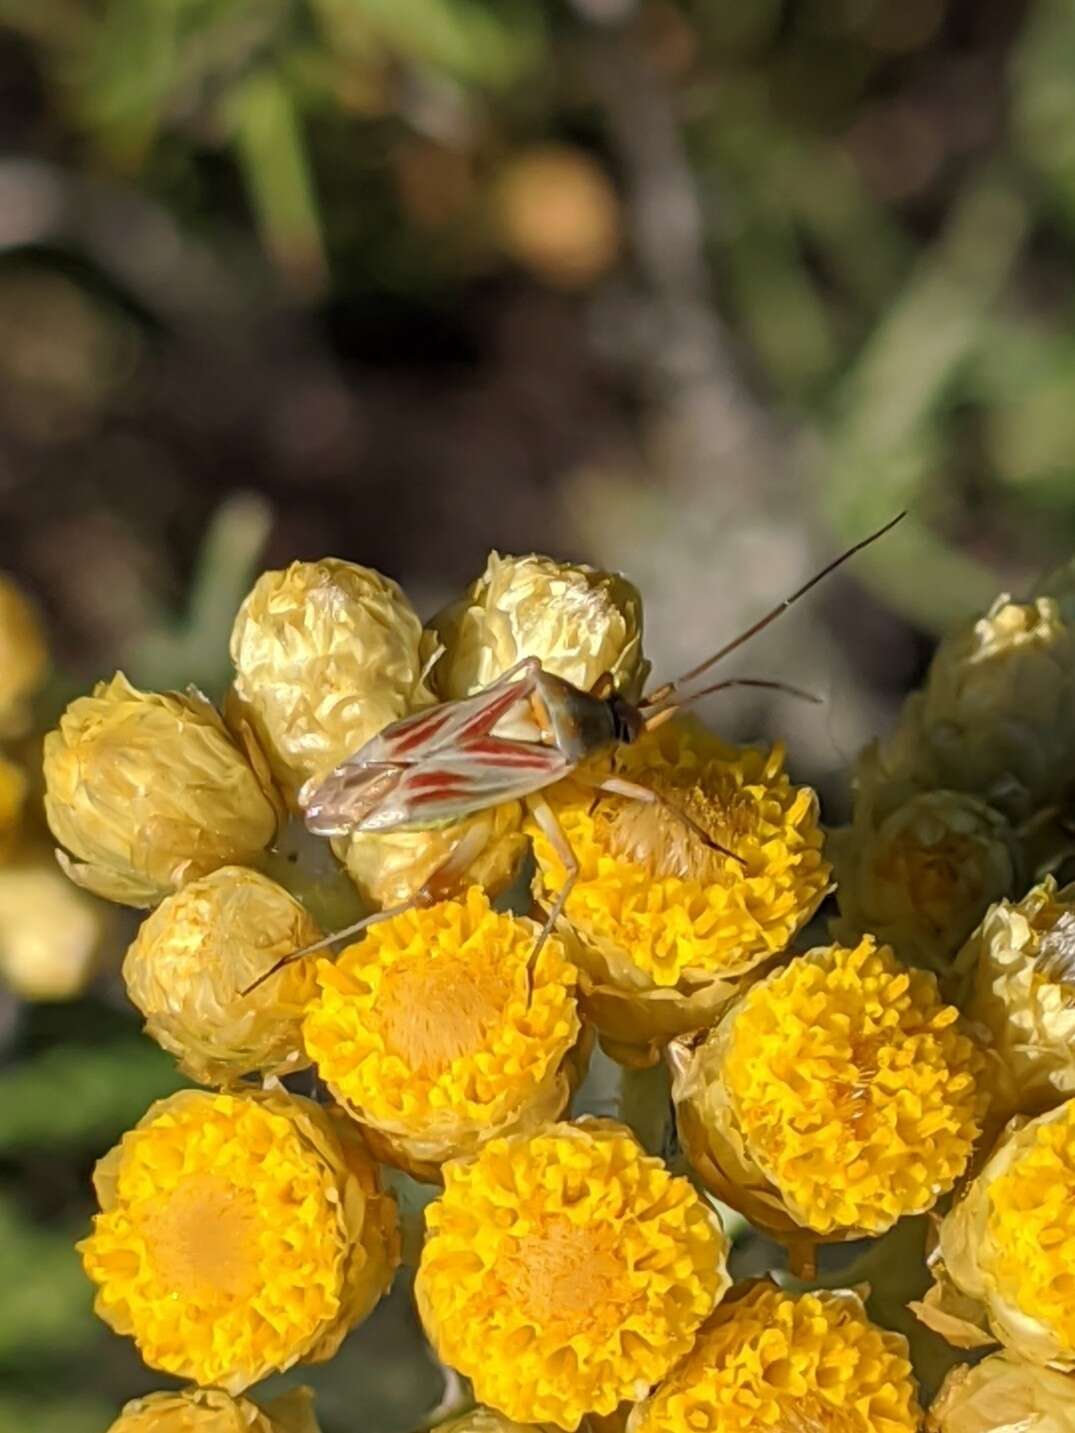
[661,695]
[670,709]
[326,942]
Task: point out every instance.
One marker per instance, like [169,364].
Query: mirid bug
[525,732]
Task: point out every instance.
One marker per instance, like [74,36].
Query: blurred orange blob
[557,214]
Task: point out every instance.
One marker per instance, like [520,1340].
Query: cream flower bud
[199,950]
[1002,1394]
[1005,1258]
[149,791]
[923,876]
[23,655]
[996,717]
[211,1410]
[389,867]
[1018,970]
[579,622]
[51,934]
[326,654]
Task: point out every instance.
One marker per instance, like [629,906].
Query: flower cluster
[573,1276]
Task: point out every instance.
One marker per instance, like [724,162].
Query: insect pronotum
[451,760]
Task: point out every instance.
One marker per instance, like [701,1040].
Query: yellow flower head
[326,654]
[237,1235]
[198,951]
[995,718]
[579,622]
[23,656]
[1019,969]
[668,927]
[435,1032]
[922,878]
[1009,1244]
[12,799]
[771,1360]
[149,791]
[210,1410]
[566,1272]
[837,1095]
[51,934]
[1003,1394]
[389,867]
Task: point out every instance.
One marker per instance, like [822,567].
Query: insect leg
[348,930]
[437,886]
[617,786]
[547,820]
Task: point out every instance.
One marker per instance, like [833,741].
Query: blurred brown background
[696,289]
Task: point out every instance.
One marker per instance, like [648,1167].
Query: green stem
[646,1104]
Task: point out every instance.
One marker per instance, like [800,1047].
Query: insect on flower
[524,732]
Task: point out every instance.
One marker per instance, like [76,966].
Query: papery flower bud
[326,654]
[436,1033]
[1018,973]
[566,1272]
[668,928]
[1003,1394]
[1005,1258]
[579,622]
[239,1235]
[13,786]
[996,717]
[195,955]
[837,1095]
[51,934]
[23,656]
[390,867]
[780,1361]
[921,879]
[210,1410]
[149,791]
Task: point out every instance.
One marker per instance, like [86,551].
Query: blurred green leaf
[46,1294]
[82,1096]
[194,647]
[490,45]
[31,1413]
[1043,98]
[889,429]
[272,155]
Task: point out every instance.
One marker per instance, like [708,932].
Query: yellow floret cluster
[565,1273]
[652,894]
[778,1361]
[1031,1228]
[854,1087]
[237,1234]
[437,1030]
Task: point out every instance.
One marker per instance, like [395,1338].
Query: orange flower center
[565,1272]
[657,836]
[203,1239]
[431,1012]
